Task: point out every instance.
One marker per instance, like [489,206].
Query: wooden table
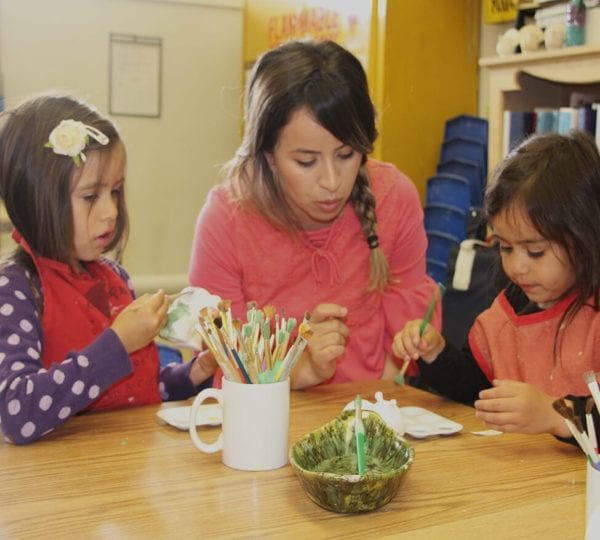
[120,475]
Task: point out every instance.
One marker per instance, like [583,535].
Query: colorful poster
[271,22]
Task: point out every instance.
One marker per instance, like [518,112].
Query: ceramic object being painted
[325,462]
[387,409]
[182,317]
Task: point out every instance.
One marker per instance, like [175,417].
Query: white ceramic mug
[592,502]
[254,434]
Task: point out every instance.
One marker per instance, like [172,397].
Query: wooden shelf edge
[542,55]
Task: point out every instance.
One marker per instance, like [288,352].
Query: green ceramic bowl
[325,461]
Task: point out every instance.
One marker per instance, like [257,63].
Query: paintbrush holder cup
[592,502]
[254,434]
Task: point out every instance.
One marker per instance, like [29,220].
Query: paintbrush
[296,350]
[439,291]
[589,422]
[216,348]
[359,430]
[183,292]
[592,382]
[576,429]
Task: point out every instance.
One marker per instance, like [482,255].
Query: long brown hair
[555,179]
[36,183]
[331,83]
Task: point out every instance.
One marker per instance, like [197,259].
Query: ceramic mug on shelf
[254,434]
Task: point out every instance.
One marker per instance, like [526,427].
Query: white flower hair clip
[71,137]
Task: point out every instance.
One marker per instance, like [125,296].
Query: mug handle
[216,393]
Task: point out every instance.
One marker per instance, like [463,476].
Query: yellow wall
[421,64]
[430,74]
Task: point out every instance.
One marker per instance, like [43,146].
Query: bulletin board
[135,75]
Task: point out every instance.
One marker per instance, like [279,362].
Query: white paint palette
[421,423]
[179,417]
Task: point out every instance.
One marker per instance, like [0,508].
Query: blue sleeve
[175,383]
[454,374]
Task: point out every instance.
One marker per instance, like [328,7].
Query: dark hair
[555,179]
[332,84]
[36,183]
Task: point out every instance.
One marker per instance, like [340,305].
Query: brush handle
[432,304]
[359,430]
[591,430]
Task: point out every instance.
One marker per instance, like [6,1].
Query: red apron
[78,307]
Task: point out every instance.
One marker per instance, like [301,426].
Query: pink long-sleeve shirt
[240,256]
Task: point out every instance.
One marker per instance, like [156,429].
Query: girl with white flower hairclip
[72,335]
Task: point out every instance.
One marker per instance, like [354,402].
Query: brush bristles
[562,408]
[590,377]
[589,406]
[255,352]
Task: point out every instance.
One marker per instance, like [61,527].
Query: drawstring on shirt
[334,271]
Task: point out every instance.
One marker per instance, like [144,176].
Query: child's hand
[139,323]
[408,345]
[515,406]
[203,367]
[326,345]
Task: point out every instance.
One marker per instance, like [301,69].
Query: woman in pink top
[306,222]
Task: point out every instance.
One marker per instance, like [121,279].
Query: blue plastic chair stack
[468,149]
[466,141]
[455,189]
[468,170]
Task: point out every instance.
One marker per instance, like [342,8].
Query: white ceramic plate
[179,417]
[421,423]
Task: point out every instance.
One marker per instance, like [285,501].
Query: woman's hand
[515,406]
[139,323]
[326,345]
[409,345]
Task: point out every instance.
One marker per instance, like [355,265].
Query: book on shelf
[586,118]
[517,126]
[546,120]
[567,119]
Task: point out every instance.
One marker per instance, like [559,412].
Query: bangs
[334,106]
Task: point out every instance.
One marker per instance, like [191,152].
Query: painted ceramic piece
[507,42]
[531,37]
[325,462]
[182,317]
[387,409]
[555,35]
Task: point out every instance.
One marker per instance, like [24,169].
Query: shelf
[542,56]
[566,68]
